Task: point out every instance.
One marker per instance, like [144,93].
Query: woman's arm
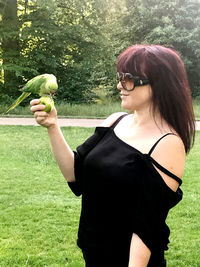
[63,154]
[139,253]
[170,153]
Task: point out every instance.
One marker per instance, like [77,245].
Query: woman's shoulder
[170,154]
[111,119]
[172,145]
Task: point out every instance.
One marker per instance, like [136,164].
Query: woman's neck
[145,119]
[146,116]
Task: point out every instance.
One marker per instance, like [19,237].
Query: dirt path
[62,122]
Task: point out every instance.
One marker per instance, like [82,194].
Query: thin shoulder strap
[170,174]
[118,120]
[153,147]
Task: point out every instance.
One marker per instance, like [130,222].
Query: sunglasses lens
[128,78]
[129,82]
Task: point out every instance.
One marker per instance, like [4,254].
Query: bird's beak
[52,93]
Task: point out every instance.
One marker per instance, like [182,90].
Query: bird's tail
[19,100]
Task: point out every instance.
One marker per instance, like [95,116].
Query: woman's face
[138,99]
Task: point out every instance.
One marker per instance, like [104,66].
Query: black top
[122,194]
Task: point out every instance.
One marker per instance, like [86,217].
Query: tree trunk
[10,46]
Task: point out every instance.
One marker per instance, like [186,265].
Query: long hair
[171,94]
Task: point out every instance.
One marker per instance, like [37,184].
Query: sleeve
[153,204]
[76,186]
[79,157]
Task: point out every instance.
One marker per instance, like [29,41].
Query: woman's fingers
[36,108]
[41,114]
[35,105]
[34,102]
[42,118]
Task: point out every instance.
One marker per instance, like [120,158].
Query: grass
[39,214]
[196,106]
[183,220]
[83,110]
[71,111]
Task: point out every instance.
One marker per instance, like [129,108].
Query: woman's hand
[43,118]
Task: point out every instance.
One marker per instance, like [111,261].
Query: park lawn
[82,110]
[39,214]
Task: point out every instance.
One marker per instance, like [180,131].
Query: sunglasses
[133,81]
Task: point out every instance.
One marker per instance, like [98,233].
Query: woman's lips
[123,95]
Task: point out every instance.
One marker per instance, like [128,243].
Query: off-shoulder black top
[122,193]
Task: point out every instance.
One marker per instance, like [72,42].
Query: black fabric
[109,258]
[122,194]
[79,156]
[165,170]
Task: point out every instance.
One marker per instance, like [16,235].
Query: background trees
[79,41]
[175,23]
[10,44]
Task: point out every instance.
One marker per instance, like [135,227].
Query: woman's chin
[125,106]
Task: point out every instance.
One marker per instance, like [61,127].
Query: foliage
[62,38]
[79,41]
[174,23]
[9,39]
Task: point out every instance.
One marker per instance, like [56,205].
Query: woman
[129,172]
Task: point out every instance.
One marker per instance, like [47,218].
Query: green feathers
[19,100]
[43,85]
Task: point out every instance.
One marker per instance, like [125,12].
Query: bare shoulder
[170,153]
[111,119]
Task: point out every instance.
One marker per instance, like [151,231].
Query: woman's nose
[119,86]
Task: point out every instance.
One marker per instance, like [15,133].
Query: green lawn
[83,110]
[70,110]
[39,215]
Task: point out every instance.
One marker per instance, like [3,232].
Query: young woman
[129,171]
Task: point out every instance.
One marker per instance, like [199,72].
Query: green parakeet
[43,85]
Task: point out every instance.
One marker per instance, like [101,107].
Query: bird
[43,85]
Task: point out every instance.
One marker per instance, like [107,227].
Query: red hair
[171,94]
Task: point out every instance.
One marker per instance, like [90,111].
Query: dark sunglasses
[129,78]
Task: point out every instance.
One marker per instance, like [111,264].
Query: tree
[10,44]
[79,41]
[174,23]
[69,39]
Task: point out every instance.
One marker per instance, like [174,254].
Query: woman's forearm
[63,154]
